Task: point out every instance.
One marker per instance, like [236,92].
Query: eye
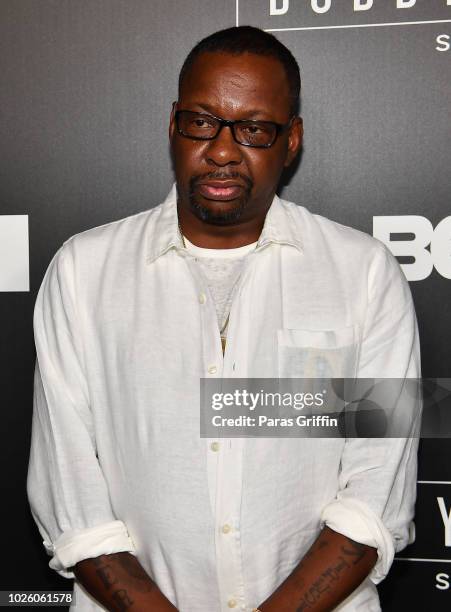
[252,129]
[256,129]
[201,123]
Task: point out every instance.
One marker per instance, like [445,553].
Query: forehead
[237,85]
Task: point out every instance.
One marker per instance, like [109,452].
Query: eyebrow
[252,113]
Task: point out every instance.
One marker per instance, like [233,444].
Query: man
[224,279]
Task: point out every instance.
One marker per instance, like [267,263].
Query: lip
[221,190]
[222,183]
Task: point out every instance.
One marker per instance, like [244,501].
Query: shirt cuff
[78,544]
[357,521]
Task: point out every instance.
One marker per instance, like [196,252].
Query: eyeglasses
[246,132]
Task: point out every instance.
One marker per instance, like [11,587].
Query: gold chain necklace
[224,327]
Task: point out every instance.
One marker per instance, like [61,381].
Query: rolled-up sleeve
[68,495]
[377,492]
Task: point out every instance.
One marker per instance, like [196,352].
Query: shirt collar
[280,227]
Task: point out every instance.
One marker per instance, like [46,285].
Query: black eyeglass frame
[280,127]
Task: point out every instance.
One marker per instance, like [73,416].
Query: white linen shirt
[125,327]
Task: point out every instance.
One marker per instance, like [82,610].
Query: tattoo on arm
[353,553]
[135,573]
[122,599]
[132,568]
[113,570]
[355,550]
[106,575]
[322,585]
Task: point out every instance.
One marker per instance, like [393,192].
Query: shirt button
[231,603]
[214,446]
[212,369]
[202,298]
[226,528]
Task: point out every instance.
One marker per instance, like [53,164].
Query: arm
[331,569]
[119,583]
[371,516]
[68,493]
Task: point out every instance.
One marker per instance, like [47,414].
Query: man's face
[221,181]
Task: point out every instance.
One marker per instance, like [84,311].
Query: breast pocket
[305,353]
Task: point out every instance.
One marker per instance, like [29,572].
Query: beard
[219,216]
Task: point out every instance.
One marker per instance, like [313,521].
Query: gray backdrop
[85,94]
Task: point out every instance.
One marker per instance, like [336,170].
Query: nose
[223,150]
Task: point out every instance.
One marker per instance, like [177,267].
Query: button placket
[224,468]
[228,505]
[212,361]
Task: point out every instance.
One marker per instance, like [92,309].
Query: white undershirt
[222,269]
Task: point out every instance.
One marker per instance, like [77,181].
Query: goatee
[219,217]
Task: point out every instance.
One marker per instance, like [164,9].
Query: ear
[295,135]
[172,121]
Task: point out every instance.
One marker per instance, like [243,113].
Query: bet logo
[417,245]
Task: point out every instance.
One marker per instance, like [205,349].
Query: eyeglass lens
[205,127]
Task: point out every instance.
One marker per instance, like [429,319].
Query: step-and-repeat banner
[85,95]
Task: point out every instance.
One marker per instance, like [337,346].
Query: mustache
[221,176]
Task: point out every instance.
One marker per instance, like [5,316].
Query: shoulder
[114,234]
[313,227]
[344,245]
[105,250]
[345,252]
